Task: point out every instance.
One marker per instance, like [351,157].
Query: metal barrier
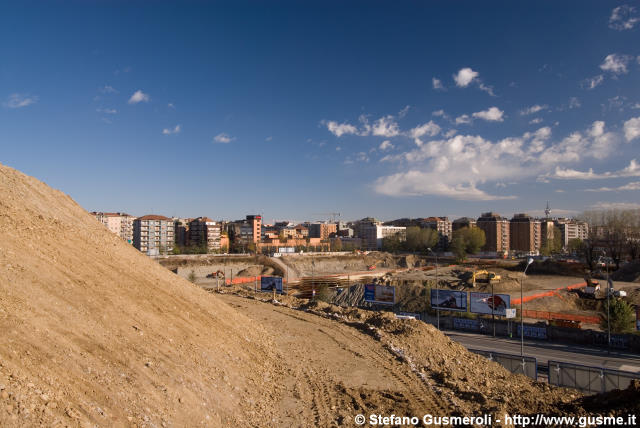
[590,380]
[527,366]
[466,324]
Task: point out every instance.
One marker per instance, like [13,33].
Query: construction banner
[449,300]
[486,303]
[383,294]
[270,283]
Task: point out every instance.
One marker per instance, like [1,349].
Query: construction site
[97,334]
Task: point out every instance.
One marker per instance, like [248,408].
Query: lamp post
[529,261]
[437,289]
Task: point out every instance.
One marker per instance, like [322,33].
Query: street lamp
[529,261]
[437,289]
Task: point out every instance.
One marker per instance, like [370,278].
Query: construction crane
[332,216]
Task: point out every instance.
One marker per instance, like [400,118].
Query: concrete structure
[119,223]
[572,229]
[525,234]
[546,232]
[322,230]
[205,232]
[496,230]
[373,234]
[461,222]
[153,234]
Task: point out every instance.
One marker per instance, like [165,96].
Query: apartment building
[322,230]
[242,232]
[205,232]
[119,223]
[462,222]
[572,229]
[181,231]
[373,234]
[525,234]
[443,226]
[153,234]
[496,230]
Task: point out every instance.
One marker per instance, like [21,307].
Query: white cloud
[632,170]
[464,77]
[574,103]
[616,63]
[592,82]
[170,105]
[623,18]
[459,166]
[340,129]
[169,131]
[465,118]
[634,185]
[20,100]
[429,129]
[535,121]
[107,110]
[386,145]
[603,206]
[108,90]
[385,127]
[632,128]
[493,114]
[437,84]
[139,96]
[269,138]
[223,138]
[487,89]
[533,109]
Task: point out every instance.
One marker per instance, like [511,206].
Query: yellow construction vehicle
[485,276]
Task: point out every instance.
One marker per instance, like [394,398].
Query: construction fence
[590,380]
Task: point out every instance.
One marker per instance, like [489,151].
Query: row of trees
[417,240]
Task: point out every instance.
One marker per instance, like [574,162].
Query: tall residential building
[546,231]
[153,234]
[255,223]
[322,230]
[461,222]
[496,230]
[119,223]
[242,232]
[443,226]
[572,229]
[373,234]
[181,231]
[525,234]
[204,231]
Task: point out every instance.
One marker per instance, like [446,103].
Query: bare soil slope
[93,332]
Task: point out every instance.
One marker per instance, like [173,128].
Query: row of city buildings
[155,234]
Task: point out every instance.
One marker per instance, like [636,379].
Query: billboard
[449,300]
[486,303]
[269,283]
[382,294]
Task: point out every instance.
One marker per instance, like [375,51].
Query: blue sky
[288,109]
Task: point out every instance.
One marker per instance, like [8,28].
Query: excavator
[485,276]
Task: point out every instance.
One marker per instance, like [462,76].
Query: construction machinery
[485,277]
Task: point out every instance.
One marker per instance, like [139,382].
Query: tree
[391,244]
[554,245]
[621,315]
[467,241]
[418,239]
[574,246]
[192,276]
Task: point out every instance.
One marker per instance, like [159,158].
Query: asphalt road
[544,352]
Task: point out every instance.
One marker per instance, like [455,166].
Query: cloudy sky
[293,109]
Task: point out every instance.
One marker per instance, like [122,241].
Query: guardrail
[588,379]
[527,366]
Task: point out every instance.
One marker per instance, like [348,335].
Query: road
[550,351]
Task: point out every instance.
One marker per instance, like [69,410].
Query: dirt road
[333,372]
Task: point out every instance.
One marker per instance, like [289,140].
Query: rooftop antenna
[547,210]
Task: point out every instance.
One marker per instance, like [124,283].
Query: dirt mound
[95,333]
[617,402]
[629,272]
